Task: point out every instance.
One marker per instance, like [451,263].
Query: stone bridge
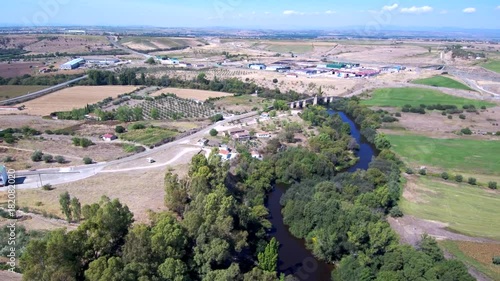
[312,100]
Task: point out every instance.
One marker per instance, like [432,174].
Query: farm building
[72,64]
[294,75]
[4,179]
[109,137]
[102,60]
[392,69]
[257,66]
[278,68]
[171,61]
[336,65]
[234,131]
[243,136]
[263,135]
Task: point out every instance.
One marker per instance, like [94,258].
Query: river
[294,257]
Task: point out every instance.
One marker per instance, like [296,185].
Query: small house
[243,136]
[263,135]
[257,155]
[225,154]
[234,131]
[109,137]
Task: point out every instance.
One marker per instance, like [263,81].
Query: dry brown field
[191,94]
[51,43]
[19,68]
[71,98]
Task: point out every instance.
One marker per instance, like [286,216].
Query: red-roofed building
[109,137]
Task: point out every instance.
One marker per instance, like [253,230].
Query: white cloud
[443,12]
[390,8]
[267,13]
[291,12]
[329,12]
[498,7]
[469,10]
[417,10]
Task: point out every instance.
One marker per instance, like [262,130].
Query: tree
[87,161]
[422,172]
[47,158]
[445,176]
[151,61]
[268,260]
[466,131]
[65,202]
[492,184]
[76,209]
[459,178]
[155,114]
[217,118]
[381,142]
[275,80]
[60,159]
[37,156]
[174,270]
[472,181]
[214,132]
[396,212]
[120,129]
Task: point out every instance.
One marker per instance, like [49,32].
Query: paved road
[34,179]
[42,92]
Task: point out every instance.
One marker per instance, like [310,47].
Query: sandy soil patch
[73,97]
[35,122]
[191,94]
[19,68]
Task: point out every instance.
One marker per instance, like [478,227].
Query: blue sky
[292,14]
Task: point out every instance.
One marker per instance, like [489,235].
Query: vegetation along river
[294,257]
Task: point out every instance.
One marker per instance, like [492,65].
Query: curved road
[72,174]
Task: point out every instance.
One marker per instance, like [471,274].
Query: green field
[475,256]
[442,81]
[461,155]
[468,210]
[148,136]
[8,92]
[398,97]
[493,66]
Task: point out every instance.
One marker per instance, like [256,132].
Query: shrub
[60,159]
[472,181]
[497,133]
[466,131]
[445,176]
[422,172]
[492,184]
[47,158]
[83,142]
[409,171]
[47,187]
[8,159]
[217,118]
[214,132]
[462,116]
[138,126]
[496,260]
[459,178]
[398,114]
[483,107]
[389,119]
[450,117]
[37,156]
[396,212]
[443,113]
[120,129]
[275,80]
[87,161]
[49,132]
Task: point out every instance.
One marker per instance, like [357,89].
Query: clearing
[200,95]
[398,97]
[493,66]
[442,81]
[9,92]
[462,155]
[71,98]
[466,209]
[242,103]
[478,255]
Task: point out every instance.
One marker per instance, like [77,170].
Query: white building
[72,64]
[4,179]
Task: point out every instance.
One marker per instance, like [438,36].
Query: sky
[269,14]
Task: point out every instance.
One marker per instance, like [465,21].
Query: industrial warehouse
[78,62]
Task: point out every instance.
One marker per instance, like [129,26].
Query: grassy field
[466,209]
[8,92]
[477,255]
[493,66]
[240,103]
[398,97]
[463,155]
[148,136]
[442,81]
[286,48]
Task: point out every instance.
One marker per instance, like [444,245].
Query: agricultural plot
[478,255]
[157,43]
[442,81]
[493,66]
[148,136]
[199,95]
[466,209]
[8,92]
[173,108]
[461,155]
[398,97]
[71,98]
